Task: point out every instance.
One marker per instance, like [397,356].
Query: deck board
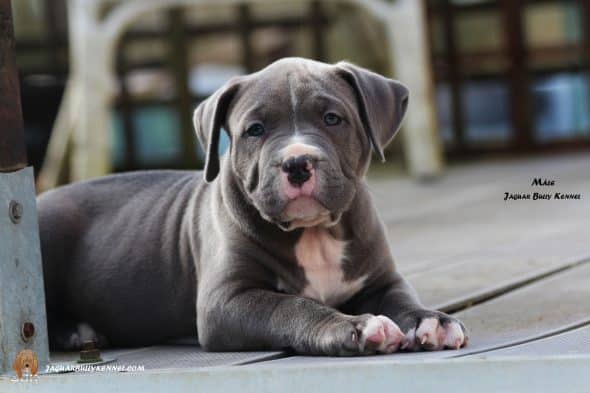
[574,342]
[191,356]
[537,309]
[458,239]
[473,277]
[183,355]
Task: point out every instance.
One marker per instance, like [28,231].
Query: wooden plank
[563,375]
[574,342]
[180,69]
[400,198]
[245,29]
[162,357]
[518,76]
[213,28]
[465,212]
[190,356]
[469,282]
[585,8]
[316,21]
[454,74]
[537,310]
[50,9]
[126,106]
[13,155]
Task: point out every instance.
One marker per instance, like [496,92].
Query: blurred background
[509,77]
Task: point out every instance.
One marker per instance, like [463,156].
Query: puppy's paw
[365,335]
[432,331]
[381,335]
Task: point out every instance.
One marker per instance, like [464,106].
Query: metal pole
[23,323]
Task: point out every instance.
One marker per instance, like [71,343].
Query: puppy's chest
[321,257]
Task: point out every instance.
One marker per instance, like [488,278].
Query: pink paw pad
[383,333]
[432,335]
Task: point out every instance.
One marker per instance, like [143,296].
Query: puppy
[277,245]
[26,363]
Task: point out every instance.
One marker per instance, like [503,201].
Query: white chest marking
[320,255]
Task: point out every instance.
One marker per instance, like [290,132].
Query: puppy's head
[301,134]
[26,360]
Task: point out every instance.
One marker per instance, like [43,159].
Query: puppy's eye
[332,119]
[256,129]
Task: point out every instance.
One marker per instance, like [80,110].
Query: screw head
[89,345]
[28,331]
[89,353]
[15,211]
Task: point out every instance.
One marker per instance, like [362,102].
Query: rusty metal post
[23,322]
[13,155]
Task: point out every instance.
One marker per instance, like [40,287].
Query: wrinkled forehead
[290,84]
[295,72]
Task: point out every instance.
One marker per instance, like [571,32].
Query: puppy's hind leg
[66,335]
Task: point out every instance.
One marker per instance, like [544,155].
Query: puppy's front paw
[432,331]
[380,334]
[367,334]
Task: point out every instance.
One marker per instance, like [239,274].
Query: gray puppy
[277,246]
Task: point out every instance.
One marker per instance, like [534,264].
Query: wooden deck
[517,272]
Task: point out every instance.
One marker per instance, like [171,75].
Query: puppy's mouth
[305,211]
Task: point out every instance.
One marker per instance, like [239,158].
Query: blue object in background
[486,111]
[444,112]
[118,144]
[157,135]
[157,128]
[561,104]
[223,142]
[204,80]
[223,146]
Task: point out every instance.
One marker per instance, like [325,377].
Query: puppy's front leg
[256,319]
[423,328]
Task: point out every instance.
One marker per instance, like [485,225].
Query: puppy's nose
[298,169]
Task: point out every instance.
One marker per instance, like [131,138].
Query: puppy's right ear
[208,119]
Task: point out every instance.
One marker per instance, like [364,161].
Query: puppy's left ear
[208,119]
[382,103]
[34,366]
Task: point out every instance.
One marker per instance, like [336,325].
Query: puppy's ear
[17,366]
[382,103]
[208,119]
[34,366]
